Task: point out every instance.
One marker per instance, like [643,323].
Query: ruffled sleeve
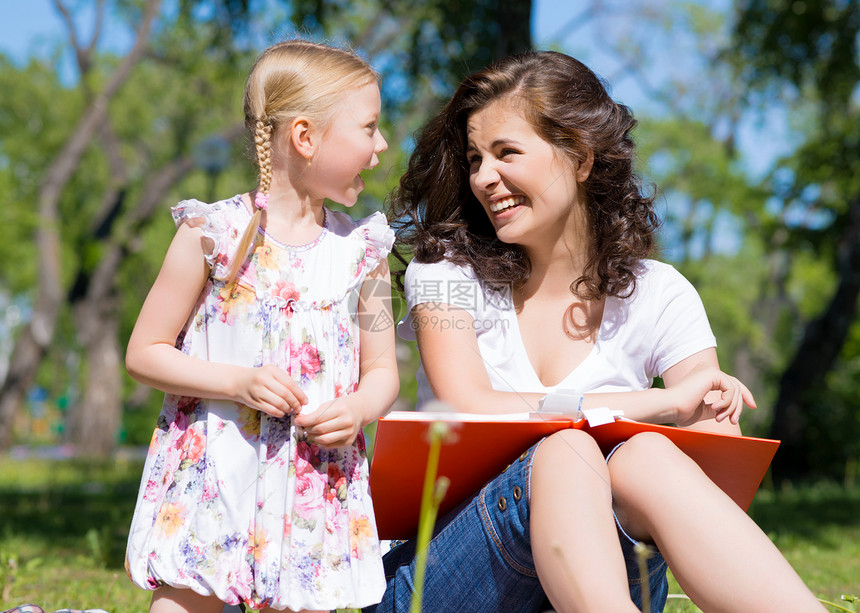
[378,238]
[215,227]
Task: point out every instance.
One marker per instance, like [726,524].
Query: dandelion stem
[431,498]
[642,555]
[835,606]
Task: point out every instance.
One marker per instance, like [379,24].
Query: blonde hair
[290,79]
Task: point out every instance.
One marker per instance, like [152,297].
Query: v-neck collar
[610,303]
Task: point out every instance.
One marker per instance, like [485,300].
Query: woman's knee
[646,462]
[569,451]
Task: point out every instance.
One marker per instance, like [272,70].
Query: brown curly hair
[437,216]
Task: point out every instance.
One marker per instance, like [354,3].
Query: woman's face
[527,188]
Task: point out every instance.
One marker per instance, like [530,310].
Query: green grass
[65,523]
[63,527]
[817,529]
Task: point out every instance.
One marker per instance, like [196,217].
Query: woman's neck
[556,265]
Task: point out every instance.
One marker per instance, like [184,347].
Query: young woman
[531,280]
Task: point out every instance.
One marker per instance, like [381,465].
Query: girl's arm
[338,422]
[457,375]
[153,359]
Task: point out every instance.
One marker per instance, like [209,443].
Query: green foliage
[434,40]
[36,114]
[804,56]
[805,42]
[682,155]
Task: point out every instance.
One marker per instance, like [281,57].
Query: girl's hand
[335,423]
[707,392]
[269,389]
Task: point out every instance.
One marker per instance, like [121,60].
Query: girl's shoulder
[212,216]
[372,230]
[221,222]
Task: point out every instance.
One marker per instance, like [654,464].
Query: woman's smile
[508,202]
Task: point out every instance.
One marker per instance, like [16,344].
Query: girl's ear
[584,169]
[302,137]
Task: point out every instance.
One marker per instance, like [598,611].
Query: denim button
[523,456]
[518,493]
[503,504]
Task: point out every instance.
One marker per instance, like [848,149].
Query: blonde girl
[267,327]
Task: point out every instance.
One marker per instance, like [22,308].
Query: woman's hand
[268,389]
[335,423]
[706,392]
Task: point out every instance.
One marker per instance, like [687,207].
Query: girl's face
[527,188]
[351,143]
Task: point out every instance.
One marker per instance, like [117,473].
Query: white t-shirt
[640,337]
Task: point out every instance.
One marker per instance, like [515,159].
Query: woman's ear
[302,137]
[584,169]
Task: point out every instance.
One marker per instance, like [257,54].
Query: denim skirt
[480,558]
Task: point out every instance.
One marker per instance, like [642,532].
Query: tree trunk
[822,342]
[515,23]
[95,420]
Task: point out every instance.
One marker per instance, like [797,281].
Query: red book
[483,446]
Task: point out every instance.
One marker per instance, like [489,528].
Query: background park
[113,110]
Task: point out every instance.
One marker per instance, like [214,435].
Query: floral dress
[234,502]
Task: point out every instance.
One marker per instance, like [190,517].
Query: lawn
[63,525]
[817,528]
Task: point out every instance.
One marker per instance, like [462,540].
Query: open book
[484,445]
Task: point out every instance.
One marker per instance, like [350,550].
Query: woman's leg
[575,542]
[168,599]
[719,556]
[479,559]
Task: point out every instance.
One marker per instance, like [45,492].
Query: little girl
[255,486]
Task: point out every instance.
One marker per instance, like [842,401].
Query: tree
[33,341]
[806,53]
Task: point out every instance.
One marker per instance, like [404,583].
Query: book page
[454,416]
[472,417]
